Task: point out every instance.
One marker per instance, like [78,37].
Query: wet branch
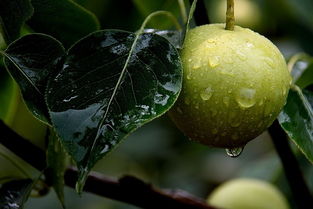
[127,189]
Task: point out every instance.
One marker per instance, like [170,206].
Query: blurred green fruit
[26,125]
[235,84]
[8,98]
[247,194]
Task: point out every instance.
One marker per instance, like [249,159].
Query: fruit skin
[235,84]
[247,194]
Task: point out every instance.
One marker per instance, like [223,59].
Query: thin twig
[297,184]
[127,189]
[200,14]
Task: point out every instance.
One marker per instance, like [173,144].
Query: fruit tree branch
[127,189]
[293,173]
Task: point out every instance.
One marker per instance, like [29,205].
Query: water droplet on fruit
[250,45]
[226,101]
[206,94]
[241,55]
[214,61]
[189,76]
[211,41]
[234,152]
[196,66]
[246,97]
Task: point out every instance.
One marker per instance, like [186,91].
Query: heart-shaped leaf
[30,61]
[63,19]
[15,193]
[13,14]
[112,82]
[296,119]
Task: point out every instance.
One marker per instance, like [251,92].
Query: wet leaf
[15,193]
[306,77]
[30,61]
[63,19]
[13,15]
[56,161]
[112,82]
[173,36]
[297,120]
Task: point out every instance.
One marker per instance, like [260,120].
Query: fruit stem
[230,16]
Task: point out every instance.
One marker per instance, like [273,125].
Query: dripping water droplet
[234,152]
[206,94]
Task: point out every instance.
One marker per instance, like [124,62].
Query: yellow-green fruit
[235,84]
[247,194]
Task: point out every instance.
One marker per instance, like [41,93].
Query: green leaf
[13,14]
[56,161]
[306,77]
[112,82]
[30,61]
[296,119]
[63,19]
[14,194]
[173,36]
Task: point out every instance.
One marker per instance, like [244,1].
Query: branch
[293,173]
[127,189]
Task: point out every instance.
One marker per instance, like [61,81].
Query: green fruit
[8,97]
[235,84]
[247,194]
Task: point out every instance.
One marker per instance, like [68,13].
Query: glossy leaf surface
[112,82]
[14,194]
[173,36]
[297,120]
[56,161]
[63,19]
[30,60]
[13,15]
[306,77]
